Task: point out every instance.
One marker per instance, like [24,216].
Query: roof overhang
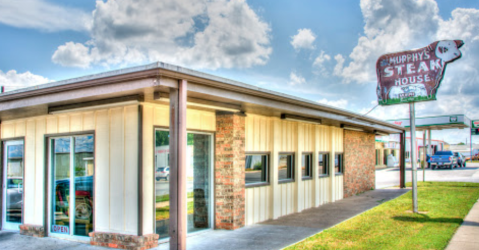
[456,121]
[146,81]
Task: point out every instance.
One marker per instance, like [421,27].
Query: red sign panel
[414,75]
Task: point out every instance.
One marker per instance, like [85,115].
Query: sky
[324,51]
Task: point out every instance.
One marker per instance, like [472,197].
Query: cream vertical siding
[339,188]
[158,115]
[116,163]
[272,135]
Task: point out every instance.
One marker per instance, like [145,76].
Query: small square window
[338,163]
[323,164]
[306,165]
[286,167]
[256,169]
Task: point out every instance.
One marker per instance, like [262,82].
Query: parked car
[162,173]
[461,162]
[83,197]
[15,199]
[443,159]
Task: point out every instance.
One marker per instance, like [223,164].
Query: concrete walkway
[287,230]
[467,236]
[273,234]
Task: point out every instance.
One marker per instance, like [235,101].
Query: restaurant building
[133,157]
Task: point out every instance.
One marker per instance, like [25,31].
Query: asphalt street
[390,177]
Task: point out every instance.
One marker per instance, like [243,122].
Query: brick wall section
[359,162]
[123,241]
[229,171]
[32,230]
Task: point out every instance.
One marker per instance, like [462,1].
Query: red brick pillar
[359,162]
[229,171]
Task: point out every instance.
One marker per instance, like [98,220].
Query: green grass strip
[391,225]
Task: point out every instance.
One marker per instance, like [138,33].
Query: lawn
[392,226]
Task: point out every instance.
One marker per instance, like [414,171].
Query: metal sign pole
[424,162]
[470,133]
[412,118]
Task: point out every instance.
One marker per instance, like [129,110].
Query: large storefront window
[199,180]
[13,185]
[72,171]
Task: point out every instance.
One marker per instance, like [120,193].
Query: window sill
[324,176]
[305,178]
[256,185]
[285,181]
[338,174]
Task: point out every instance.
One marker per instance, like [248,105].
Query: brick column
[359,162]
[229,171]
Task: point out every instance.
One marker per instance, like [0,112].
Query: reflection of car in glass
[14,198]
[162,173]
[83,196]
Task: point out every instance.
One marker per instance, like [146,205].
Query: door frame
[2,172]
[48,187]
[212,135]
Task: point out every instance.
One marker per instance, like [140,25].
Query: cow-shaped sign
[414,75]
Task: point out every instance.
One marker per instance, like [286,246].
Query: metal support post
[412,118]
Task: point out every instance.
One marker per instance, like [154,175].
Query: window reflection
[198,163]
[14,183]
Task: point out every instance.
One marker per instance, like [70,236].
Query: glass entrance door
[12,210]
[72,196]
[199,180]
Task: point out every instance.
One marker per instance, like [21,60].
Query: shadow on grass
[425,219]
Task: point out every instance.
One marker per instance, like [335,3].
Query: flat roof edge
[174,68]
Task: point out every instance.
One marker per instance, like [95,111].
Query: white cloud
[296,79]
[320,61]
[303,40]
[341,103]
[200,34]
[72,55]
[390,26]
[13,80]
[339,65]
[40,14]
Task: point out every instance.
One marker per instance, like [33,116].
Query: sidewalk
[467,236]
[272,234]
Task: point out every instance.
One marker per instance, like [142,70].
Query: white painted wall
[268,134]
[116,163]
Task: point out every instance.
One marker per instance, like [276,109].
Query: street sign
[474,131]
[414,75]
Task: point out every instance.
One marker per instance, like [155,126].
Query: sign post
[474,131]
[412,116]
[414,76]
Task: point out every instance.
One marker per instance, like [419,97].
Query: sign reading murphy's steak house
[414,75]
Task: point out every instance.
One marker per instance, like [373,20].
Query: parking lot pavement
[390,177]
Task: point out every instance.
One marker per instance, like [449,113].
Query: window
[256,169]
[323,163]
[306,166]
[286,167]
[338,163]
